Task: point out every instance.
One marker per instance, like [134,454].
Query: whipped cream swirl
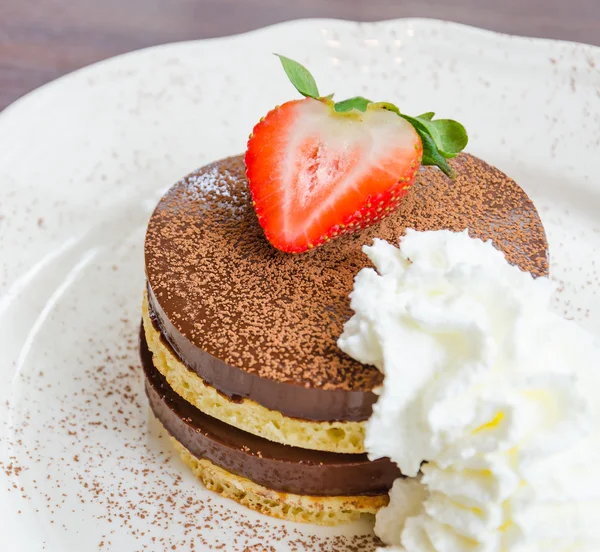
[490,401]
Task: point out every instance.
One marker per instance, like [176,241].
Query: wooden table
[43,39]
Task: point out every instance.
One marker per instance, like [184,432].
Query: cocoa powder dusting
[138,490]
[231,294]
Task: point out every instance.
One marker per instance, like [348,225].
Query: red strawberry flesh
[315,173]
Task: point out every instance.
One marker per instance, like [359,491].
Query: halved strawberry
[318,169]
[315,173]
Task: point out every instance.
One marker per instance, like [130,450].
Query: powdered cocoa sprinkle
[133,490]
[230,293]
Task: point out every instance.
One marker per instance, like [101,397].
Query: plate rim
[474,31]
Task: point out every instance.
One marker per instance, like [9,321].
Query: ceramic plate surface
[84,160]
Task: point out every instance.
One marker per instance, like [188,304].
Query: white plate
[83,161]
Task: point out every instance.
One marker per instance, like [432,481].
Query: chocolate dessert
[250,262]
[246,334]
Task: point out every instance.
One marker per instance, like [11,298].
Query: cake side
[279,467]
[318,510]
[246,414]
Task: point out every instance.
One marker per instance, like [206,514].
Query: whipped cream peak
[489,400]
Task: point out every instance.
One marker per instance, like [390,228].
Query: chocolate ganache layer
[279,467]
[257,323]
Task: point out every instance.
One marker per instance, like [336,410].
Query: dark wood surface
[43,39]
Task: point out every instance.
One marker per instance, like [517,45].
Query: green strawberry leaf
[357,102]
[451,135]
[429,115]
[300,77]
[431,155]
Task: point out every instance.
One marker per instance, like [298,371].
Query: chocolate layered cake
[239,338]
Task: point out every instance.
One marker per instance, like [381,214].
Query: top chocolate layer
[225,297]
